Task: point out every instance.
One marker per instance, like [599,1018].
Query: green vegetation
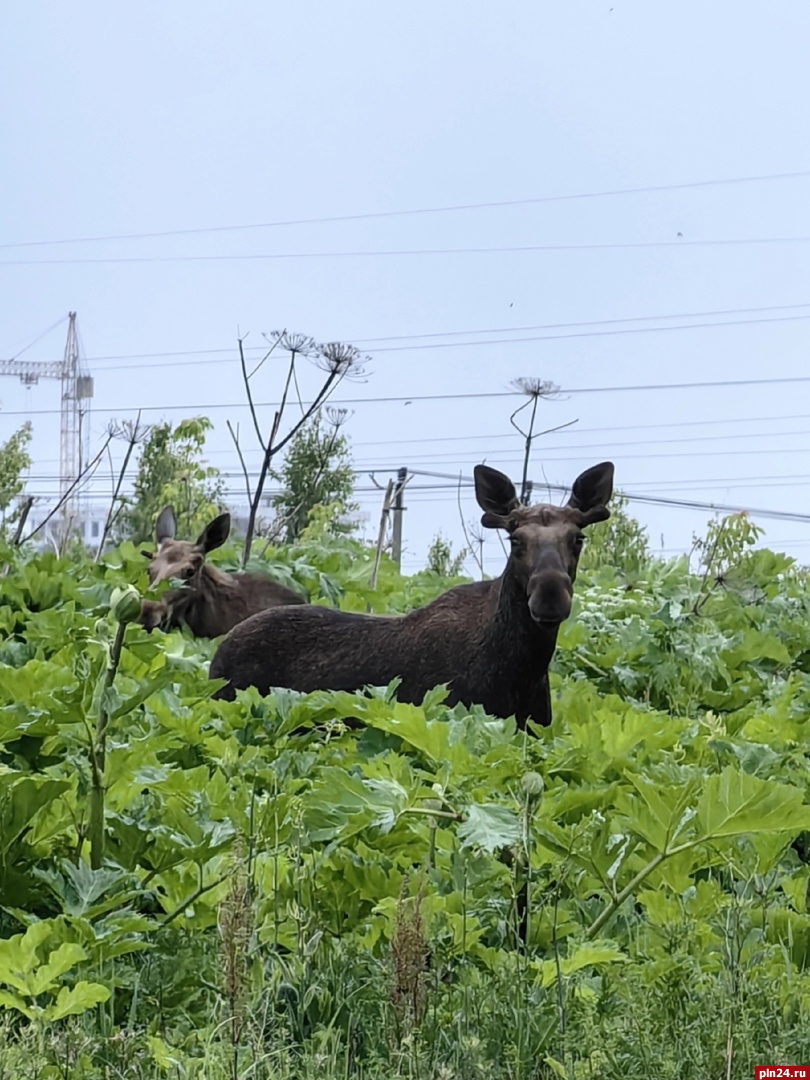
[171,472]
[15,460]
[316,471]
[280,895]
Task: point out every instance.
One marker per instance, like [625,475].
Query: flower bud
[533,784]
[125,604]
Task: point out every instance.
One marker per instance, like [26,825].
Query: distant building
[88,527]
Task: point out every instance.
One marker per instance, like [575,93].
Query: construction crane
[77,391]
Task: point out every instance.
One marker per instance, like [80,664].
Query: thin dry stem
[133,434]
[241,456]
[82,478]
[477,558]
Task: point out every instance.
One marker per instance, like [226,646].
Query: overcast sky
[158,118]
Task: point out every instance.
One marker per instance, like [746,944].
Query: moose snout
[550,596]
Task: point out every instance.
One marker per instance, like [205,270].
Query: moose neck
[203,590]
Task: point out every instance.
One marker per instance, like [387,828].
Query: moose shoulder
[210,601]
[490,641]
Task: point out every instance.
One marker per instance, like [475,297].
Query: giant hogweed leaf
[14,1001]
[80,889]
[616,736]
[59,963]
[754,647]
[342,805]
[657,812]
[34,682]
[18,955]
[152,686]
[20,802]
[735,803]
[589,954]
[410,723]
[76,999]
[489,826]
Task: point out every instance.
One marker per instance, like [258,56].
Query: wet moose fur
[491,641]
[211,602]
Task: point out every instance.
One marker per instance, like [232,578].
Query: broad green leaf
[589,954]
[60,961]
[163,1056]
[657,812]
[152,686]
[21,799]
[796,890]
[489,826]
[733,803]
[12,1001]
[77,999]
[18,955]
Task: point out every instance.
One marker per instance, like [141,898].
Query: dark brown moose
[210,602]
[490,641]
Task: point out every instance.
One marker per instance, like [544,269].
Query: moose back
[490,641]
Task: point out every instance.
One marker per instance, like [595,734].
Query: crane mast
[77,390]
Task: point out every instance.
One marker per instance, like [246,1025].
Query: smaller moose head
[181,558]
[546,540]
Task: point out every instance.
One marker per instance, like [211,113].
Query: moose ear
[214,534]
[592,488]
[166,525]
[495,493]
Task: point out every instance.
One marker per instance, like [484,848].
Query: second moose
[210,601]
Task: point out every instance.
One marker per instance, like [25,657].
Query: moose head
[546,541]
[183,559]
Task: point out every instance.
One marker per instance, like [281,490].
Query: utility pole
[396,541]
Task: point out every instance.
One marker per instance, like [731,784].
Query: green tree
[442,561]
[171,469]
[317,471]
[14,461]
[620,542]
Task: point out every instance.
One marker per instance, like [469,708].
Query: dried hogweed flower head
[340,358]
[336,416]
[302,344]
[535,388]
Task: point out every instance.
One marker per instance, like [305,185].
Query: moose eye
[579,540]
[187,572]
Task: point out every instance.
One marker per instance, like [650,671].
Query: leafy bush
[339,884]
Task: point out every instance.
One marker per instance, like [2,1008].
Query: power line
[405,252]
[515,454]
[369,341]
[497,341]
[535,200]
[516,459]
[395,398]
[454,482]
[653,500]
[579,431]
